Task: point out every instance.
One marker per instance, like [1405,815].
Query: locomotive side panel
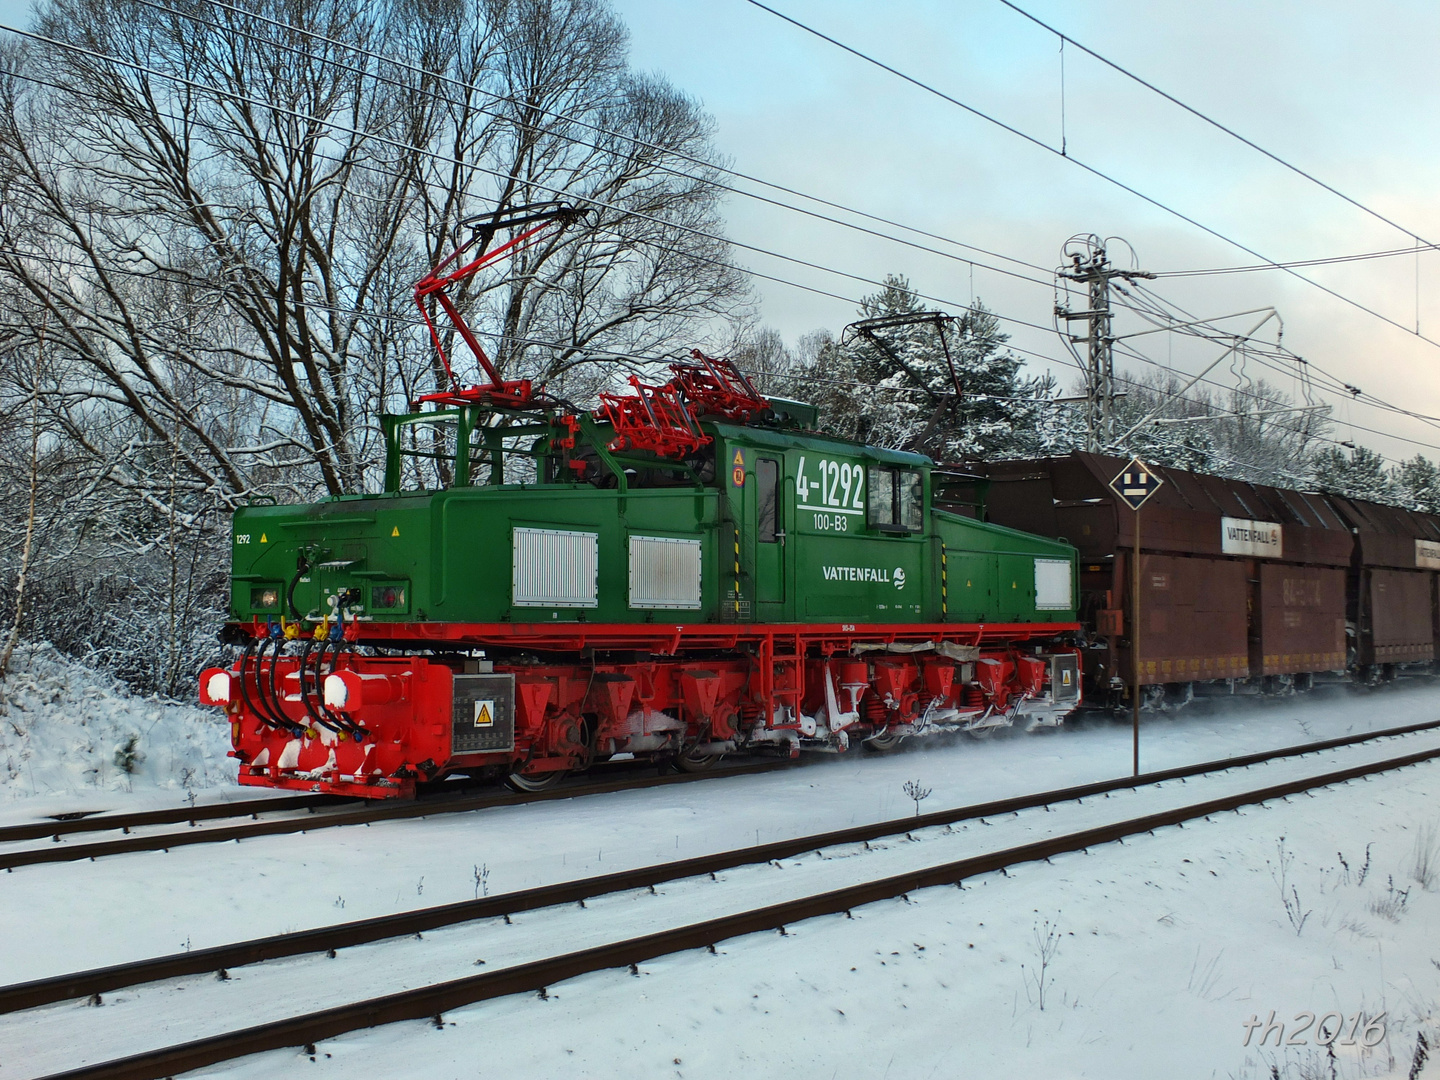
[638,553]
[861,527]
[997,574]
[970,585]
[827,531]
[294,562]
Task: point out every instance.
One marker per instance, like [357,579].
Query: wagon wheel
[520,781]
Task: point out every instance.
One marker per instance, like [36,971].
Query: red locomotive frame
[704,690]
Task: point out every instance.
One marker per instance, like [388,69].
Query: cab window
[767,472]
[897,499]
[881,485]
[910,499]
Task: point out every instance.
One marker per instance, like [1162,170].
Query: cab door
[767,511]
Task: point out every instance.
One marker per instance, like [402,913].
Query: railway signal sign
[1135,483]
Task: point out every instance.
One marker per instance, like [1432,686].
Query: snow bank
[68,730]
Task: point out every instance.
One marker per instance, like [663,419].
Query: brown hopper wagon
[1241,585]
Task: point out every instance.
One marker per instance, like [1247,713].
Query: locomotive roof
[782,439]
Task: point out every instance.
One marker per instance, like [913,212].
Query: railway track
[319,816]
[327,812]
[101,821]
[428,1001]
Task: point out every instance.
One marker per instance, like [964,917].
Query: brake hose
[256,648]
[355,730]
[244,691]
[310,710]
[274,703]
[302,564]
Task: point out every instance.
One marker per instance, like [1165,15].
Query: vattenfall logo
[865,573]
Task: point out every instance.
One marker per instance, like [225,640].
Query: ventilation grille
[553,568]
[664,572]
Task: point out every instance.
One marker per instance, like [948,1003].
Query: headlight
[217,687]
[337,694]
[387,597]
[265,598]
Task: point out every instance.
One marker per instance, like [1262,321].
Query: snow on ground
[270,885]
[67,733]
[143,1018]
[1163,949]
[1166,961]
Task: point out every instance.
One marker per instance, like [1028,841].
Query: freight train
[1243,587]
[688,571]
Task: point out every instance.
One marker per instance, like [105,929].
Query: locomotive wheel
[519,781]
[883,743]
[691,762]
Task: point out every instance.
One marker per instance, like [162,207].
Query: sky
[1344,92]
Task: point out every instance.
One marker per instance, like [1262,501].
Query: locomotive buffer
[1135,484]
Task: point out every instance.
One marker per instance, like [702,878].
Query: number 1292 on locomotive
[834,494]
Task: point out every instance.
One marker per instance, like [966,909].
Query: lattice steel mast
[1090,266]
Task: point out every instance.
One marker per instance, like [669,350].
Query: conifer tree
[1417,483]
[1359,475]
[953,397]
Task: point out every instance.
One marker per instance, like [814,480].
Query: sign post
[1135,484]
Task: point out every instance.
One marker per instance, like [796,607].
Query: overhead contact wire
[1091,169]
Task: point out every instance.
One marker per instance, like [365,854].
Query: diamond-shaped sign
[1135,483]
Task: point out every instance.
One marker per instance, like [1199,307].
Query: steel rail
[83,984]
[388,811]
[432,1001]
[101,821]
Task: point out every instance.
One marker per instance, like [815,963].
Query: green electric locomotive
[689,571]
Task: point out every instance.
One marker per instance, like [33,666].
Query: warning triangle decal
[395,531]
[739,458]
[262,539]
[484,716]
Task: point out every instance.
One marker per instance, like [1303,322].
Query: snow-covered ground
[1166,946]
[72,739]
[1160,960]
[131,1020]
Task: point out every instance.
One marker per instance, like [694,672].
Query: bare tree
[222,210]
[1250,433]
[243,208]
[13,638]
